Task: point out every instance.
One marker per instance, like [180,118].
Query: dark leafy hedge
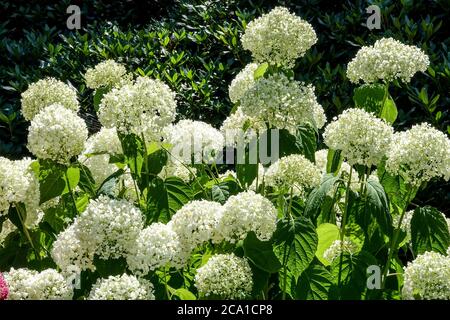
[194,47]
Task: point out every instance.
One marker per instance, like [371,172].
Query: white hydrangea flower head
[18,184]
[321,157]
[156,246]
[144,107]
[406,223]
[57,133]
[195,140]
[196,222]
[240,128]
[226,276]
[278,37]
[228,174]
[336,248]
[419,154]
[361,136]
[244,80]
[105,74]
[175,168]
[99,166]
[386,60]
[245,212]
[282,102]
[46,92]
[293,171]
[123,287]
[27,284]
[427,278]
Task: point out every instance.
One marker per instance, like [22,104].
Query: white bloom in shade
[196,222]
[195,140]
[240,128]
[419,154]
[175,168]
[27,284]
[228,174]
[108,228]
[123,287]
[406,223]
[427,278]
[7,228]
[57,133]
[386,60]
[242,82]
[321,157]
[335,249]
[226,276]
[156,246]
[283,103]
[245,212]
[105,74]
[278,37]
[293,171]
[145,107]
[18,184]
[46,92]
[363,138]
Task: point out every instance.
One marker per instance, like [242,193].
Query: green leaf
[389,111]
[52,182]
[314,283]
[72,179]
[304,142]
[87,182]
[261,253]
[260,71]
[156,161]
[327,234]
[184,294]
[295,244]
[98,95]
[134,152]
[246,171]
[429,231]
[378,206]
[223,190]
[316,198]
[369,97]
[334,161]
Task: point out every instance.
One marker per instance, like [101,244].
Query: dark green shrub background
[194,47]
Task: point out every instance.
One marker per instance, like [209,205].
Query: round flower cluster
[419,154]
[293,171]
[4,290]
[245,212]
[27,284]
[363,138]
[278,37]
[175,168]
[427,278]
[194,141]
[123,287]
[18,184]
[46,92]
[240,128]
[105,74]
[144,107]
[336,248]
[226,276]
[243,81]
[386,60]
[96,154]
[156,246]
[283,103]
[107,228]
[196,222]
[57,133]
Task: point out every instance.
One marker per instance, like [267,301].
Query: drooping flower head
[419,154]
[283,103]
[363,138]
[105,74]
[427,278]
[278,37]
[226,276]
[386,60]
[57,133]
[245,212]
[46,92]
[123,287]
[143,107]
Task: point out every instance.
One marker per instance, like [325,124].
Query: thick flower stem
[71,193]
[343,222]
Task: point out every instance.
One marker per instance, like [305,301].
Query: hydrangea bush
[146,208]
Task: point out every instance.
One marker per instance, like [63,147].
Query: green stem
[394,240]
[343,222]
[25,231]
[71,193]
